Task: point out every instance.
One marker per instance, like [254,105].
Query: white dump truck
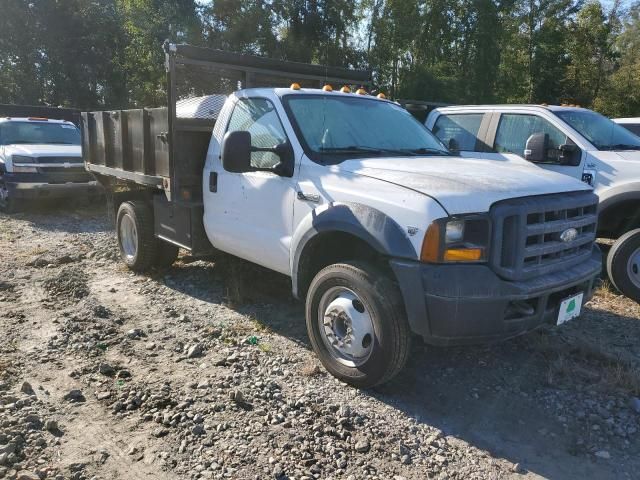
[384,233]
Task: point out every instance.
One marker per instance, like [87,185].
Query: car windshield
[30,132]
[334,128]
[599,130]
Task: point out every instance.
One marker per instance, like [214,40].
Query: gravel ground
[106,374]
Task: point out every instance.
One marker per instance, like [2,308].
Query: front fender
[619,193]
[374,227]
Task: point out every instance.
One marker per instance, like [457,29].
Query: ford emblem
[569,235]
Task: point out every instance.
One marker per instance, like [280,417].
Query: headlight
[18,164]
[460,239]
[454,231]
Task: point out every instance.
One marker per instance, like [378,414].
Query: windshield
[600,131]
[334,128]
[12,133]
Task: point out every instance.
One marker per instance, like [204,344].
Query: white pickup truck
[574,141]
[383,232]
[40,158]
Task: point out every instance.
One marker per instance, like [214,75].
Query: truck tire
[136,241]
[7,204]
[357,324]
[623,264]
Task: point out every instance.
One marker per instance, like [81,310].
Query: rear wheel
[623,264]
[137,243]
[356,324]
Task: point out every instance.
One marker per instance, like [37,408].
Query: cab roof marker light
[381,96]
[295,86]
[345,89]
[361,91]
[327,88]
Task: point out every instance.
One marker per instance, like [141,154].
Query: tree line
[94,54]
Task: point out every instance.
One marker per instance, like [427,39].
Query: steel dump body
[163,149]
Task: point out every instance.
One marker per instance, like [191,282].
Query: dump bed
[165,147]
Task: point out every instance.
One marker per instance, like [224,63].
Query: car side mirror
[570,154]
[454,146]
[236,152]
[285,167]
[536,147]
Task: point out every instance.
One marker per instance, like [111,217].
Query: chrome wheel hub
[633,268]
[345,326]
[128,236]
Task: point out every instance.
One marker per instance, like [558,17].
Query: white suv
[570,140]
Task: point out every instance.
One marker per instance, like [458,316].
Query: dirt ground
[107,374]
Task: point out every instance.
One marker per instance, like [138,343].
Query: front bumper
[462,304]
[50,185]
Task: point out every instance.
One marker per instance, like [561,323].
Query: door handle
[213,182]
[308,197]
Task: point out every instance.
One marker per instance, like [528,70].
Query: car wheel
[356,323]
[623,264]
[7,203]
[136,241]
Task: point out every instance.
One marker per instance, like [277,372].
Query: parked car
[574,141]
[40,158]
[383,232]
[632,124]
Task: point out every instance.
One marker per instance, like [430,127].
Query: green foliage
[106,53]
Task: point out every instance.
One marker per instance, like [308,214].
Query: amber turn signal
[463,254]
[431,244]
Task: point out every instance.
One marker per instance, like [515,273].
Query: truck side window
[515,129]
[259,117]
[458,131]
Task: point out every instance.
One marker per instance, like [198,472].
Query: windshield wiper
[392,151]
[427,151]
[60,143]
[351,149]
[620,146]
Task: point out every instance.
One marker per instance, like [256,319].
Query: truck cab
[40,158]
[384,233]
[570,140]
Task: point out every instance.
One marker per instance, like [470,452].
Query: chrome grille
[59,161]
[527,233]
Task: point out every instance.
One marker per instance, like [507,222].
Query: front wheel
[623,264]
[356,324]
[7,203]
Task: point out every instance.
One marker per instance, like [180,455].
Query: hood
[631,155]
[44,150]
[463,185]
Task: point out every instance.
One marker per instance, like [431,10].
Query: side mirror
[285,167]
[454,146]
[570,154]
[236,152]
[536,147]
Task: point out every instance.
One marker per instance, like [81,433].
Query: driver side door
[250,214]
